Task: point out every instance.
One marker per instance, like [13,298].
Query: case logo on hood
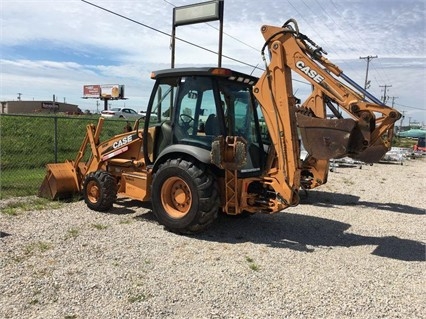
[122,142]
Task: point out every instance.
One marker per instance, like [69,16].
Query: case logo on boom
[122,142]
[309,72]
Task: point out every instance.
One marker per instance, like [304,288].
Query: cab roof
[205,71]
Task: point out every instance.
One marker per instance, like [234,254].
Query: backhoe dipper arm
[274,92]
[366,133]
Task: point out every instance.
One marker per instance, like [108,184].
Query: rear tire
[184,196]
[100,191]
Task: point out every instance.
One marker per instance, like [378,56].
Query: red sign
[92,91]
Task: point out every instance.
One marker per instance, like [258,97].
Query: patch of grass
[252,265]
[72,233]
[347,181]
[28,144]
[99,226]
[37,246]
[20,181]
[137,298]
[34,302]
[404,142]
[15,207]
[249,260]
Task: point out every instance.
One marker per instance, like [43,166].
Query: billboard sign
[103,91]
[112,91]
[91,91]
[196,13]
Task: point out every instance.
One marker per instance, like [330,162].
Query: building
[31,107]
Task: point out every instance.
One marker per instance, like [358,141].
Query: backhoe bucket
[60,181]
[373,153]
[325,138]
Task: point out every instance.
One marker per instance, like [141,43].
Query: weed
[249,260]
[100,226]
[125,221]
[37,246]
[34,302]
[11,211]
[13,208]
[252,265]
[137,298]
[72,233]
[348,181]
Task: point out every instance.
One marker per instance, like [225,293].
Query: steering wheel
[185,118]
[186,121]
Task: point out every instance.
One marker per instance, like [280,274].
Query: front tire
[184,196]
[100,191]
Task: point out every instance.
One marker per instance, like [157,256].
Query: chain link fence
[28,143]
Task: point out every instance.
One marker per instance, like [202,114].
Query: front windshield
[163,102]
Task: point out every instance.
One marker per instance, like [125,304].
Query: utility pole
[402,119]
[384,97]
[368,58]
[19,96]
[393,100]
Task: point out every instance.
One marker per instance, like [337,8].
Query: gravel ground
[353,248]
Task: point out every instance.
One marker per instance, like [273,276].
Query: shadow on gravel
[3,234]
[306,233]
[329,199]
[294,231]
[124,206]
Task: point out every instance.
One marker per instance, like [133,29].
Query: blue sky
[55,47]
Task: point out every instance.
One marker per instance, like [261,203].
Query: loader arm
[365,133]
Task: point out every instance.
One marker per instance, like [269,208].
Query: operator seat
[212,125]
[163,137]
[167,135]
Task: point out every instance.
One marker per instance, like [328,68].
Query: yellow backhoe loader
[215,140]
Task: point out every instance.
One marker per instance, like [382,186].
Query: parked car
[143,115]
[119,112]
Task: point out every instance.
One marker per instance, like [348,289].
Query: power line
[167,34]
[180,39]
[410,107]
[355,31]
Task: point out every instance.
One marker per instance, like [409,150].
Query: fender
[177,150]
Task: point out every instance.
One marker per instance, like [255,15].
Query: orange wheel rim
[176,197]
[93,191]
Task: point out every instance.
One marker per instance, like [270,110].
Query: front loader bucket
[60,181]
[325,138]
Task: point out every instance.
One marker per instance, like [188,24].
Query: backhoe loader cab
[193,107]
[202,140]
